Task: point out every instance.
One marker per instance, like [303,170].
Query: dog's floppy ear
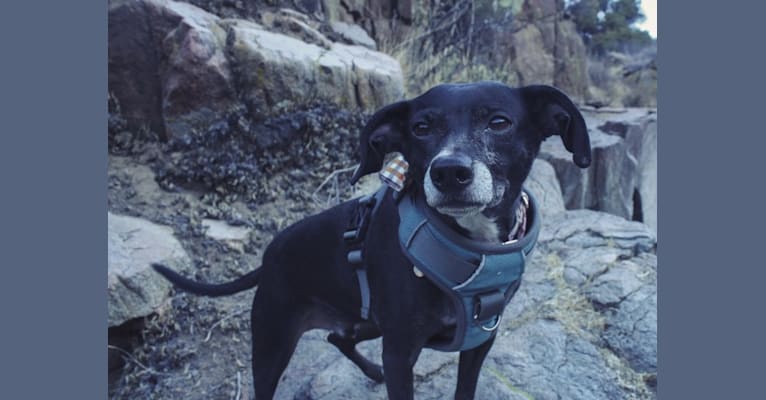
[384,133]
[557,115]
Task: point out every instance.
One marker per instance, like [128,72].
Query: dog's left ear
[557,115]
[384,133]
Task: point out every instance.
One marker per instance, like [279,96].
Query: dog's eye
[499,123]
[421,129]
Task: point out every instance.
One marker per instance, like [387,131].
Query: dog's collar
[519,228]
[479,277]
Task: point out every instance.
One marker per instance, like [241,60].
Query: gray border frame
[711,270]
[53,159]
[53,162]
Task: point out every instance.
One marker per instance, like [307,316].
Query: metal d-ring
[497,323]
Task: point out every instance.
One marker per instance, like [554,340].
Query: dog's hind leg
[468,369]
[347,341]
[277,323]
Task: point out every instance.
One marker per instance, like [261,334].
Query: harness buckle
[493,327]
[354,257]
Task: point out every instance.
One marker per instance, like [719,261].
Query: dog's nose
[451,174]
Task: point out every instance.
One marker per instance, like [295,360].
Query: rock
[583,323]
[644,135]
[638,128]
[585,188]
[585,266]
[180,69]
[295,24]
[616,283]
[632,329]
[582,230]
[197,82]
[354,34]
[571,73]
[167,64]
[536,48]
[530,63]
[381,19]
[610,261]
[134,289]
[544,185]
[622,179]
[233,236]
[220,230]
[281,73]
[546,361]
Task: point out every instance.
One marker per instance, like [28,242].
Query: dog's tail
[205,289]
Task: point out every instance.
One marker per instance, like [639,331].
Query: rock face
[531,45]
[278,71]
[544,185]
[177,68]
[547,49]
[353,33]
[622,178]
[134,289]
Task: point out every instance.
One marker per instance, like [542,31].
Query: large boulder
[622,178]
[134,289]
[279,72]
[167,64]
[176,68]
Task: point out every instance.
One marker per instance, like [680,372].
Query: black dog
[470,148]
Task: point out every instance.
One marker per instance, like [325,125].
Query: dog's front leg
[399,357]
[468,370]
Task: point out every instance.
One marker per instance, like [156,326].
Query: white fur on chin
[480,227]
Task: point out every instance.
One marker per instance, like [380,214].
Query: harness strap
[354,237]
[354,258]
[435,252]
[487,305]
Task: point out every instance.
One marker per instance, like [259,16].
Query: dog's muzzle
[451,174]
[457,186]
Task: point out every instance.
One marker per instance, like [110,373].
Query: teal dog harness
[479,277]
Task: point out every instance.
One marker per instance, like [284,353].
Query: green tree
[607,25]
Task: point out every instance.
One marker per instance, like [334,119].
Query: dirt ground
[196,341]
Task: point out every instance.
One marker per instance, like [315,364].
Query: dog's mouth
[459,209]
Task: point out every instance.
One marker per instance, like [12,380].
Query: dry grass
[624,80]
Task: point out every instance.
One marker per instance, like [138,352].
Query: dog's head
[470,146]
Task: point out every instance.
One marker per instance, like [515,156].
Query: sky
[649,8]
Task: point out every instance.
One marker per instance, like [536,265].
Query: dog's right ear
[384,133]
[557,115]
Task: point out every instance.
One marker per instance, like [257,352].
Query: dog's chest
[480,227]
